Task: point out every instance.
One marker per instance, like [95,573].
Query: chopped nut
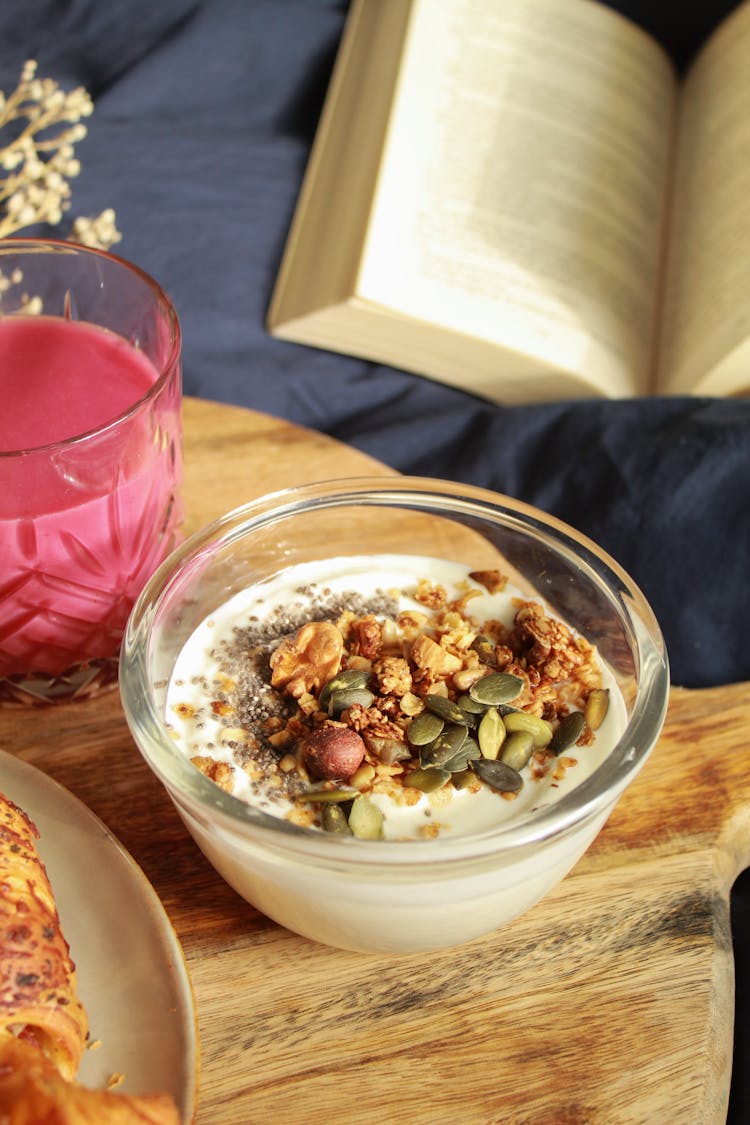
[393,675]
[366,639]
[219,772]
[432,657]
[374,722]
[548,644]
[411,704]
[281,739]
[221,707]
[410,622]
[429,594]
[307,660]
[492,580]
[362,777]
[184,710]
[302,816]
[465,677]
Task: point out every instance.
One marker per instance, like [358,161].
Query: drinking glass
[89,475]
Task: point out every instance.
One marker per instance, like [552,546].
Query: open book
[524,201]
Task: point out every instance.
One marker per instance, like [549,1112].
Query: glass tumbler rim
[10,246]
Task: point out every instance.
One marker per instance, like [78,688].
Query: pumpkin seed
[445,708]
[568,732]
[427,779]
[517,749]
[497,687]
[470,706]
[498,775]
[343,698]
[468,752]
[596,708]
[351,678]
[321,796]
[333,819]
[424,728]
[491,733]
[472,721]
[388,750]
[485,646]
[462,779]
[538,728]
[366,819]
[445,746]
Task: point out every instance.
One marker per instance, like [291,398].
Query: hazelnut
[333,752]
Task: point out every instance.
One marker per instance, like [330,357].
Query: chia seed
[244,660]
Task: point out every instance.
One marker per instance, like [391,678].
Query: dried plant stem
[41,124]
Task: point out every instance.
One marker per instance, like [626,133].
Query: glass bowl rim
[212,806]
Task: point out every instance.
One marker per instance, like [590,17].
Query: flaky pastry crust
[33,1092]
[38,999]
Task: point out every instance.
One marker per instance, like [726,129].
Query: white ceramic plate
[132,977]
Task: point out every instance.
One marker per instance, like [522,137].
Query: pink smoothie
[60,378]
[82,524]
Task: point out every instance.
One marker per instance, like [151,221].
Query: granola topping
[394,697]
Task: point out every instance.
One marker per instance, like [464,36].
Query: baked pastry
[38,999]
[33,1091]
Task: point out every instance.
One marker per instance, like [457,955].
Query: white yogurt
[202,668]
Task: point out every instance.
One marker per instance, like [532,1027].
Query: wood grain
[610,1002]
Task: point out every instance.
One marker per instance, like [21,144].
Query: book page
[706,321]
[522,188]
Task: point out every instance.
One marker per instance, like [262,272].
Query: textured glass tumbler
[87,517]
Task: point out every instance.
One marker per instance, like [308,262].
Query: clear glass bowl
[394,896]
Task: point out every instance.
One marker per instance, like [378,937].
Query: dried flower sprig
[26,304]
[42,124]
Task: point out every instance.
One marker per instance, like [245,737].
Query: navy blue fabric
[205,112]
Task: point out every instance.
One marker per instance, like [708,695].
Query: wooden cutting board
[609,1002]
